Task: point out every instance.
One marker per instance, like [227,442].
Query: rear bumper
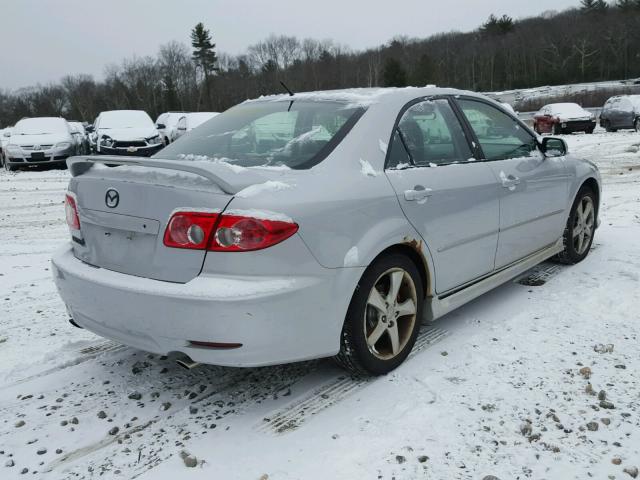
[276,319]
[580,126]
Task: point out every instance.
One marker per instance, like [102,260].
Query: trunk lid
[124,211]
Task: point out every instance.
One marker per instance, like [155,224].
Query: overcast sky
[43,40]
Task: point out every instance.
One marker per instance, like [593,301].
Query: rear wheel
[557,129]
[578,234]
[383,319]
[590,130]
[636,125]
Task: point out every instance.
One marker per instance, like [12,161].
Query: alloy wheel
[390,314]
[583,225]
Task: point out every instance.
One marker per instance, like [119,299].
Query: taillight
[241,234]
[225,233]
[190,230]
[71,212]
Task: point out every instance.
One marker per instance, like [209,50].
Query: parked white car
[126,132]
[167,124]
[189,121]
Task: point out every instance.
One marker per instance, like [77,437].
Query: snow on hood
[569,111]
[40,139]
[126,134]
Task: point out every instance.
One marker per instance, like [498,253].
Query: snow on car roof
[567,108]
[361,96]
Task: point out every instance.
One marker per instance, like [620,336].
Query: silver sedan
[329,224]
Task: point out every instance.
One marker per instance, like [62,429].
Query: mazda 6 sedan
[328,224]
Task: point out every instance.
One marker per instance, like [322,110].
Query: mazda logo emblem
[112,198]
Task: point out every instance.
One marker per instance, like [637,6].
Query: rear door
[124,212]
[450,199]
[623,114]
[534,189]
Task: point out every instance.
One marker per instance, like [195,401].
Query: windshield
[295,134]
[40,126]
[125,119]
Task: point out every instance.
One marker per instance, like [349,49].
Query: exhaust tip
[187,363]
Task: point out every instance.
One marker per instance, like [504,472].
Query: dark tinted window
[296,134]
[398,156]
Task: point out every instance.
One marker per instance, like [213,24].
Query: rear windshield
[37,126]
[296,134]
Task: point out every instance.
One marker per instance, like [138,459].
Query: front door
[534,189]
[448,197]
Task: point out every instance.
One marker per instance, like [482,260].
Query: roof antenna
[286,88]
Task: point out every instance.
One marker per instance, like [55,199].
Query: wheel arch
[593,185]
[413,249]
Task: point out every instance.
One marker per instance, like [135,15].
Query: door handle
[419,193]
[510,181]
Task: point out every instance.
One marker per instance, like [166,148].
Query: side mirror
[183,129]
[553,147]
[89,129]
[161,126]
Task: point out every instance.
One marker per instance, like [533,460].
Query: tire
[636,124]
[366,342]
[8,167]
[589,131]
[557,129]
[580,228]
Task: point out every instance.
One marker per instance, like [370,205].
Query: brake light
[190,230]
[225,233]
[71,212]
[237,233]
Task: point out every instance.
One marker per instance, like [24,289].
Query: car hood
[41,139]
[128,133]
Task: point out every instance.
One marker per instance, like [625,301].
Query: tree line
[596,40]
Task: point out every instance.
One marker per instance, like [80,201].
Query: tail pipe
[186,363]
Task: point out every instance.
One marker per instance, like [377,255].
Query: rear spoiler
[230,181]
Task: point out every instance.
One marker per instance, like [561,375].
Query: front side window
[431,134]
[500,136]
[297,134]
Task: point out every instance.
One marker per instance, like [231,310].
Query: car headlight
[63,145]
[106,141]
[154,140]
[13,149]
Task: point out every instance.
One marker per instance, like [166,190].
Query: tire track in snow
[298,412]
[84,355]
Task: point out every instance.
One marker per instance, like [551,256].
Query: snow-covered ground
[494,388]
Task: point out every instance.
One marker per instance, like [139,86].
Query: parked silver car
[41,140]
[317,225]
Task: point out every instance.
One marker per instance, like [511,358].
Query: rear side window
[432,135]
[297,134]
[500,136]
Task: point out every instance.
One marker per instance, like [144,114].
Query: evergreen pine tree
[204,54]
[393,74]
